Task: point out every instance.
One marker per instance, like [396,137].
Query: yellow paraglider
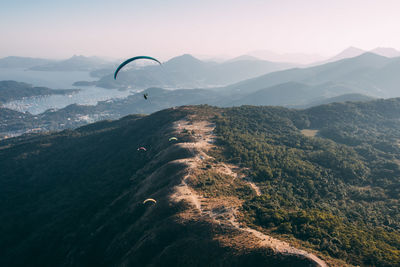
[150,200]
[173,139]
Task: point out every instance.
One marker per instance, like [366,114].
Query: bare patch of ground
[309,132]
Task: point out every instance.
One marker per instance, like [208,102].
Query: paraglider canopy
[142,148]
[173,139]
[150,200]
[130,60]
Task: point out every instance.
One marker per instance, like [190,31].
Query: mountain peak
[348,53]
[244,57]
[184,60]
[185,57]
[386,52]
[353,48]
[295,58]
[369,54]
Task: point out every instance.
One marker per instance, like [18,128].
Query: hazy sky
[165,28]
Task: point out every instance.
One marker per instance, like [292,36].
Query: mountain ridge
[114,226]
[22,62]
[74,63]
[237,180]
[353,72]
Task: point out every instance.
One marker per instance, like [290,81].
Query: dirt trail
[254,186]
[222,211]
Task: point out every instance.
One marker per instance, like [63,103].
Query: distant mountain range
[359,78]
[355,52]
[187,71]
[75,63]
[294,58]
[23,62]
[314,59]
[355,79]
[368,74]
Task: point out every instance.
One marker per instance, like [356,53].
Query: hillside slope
[76,199]
[329,176]
[240,186]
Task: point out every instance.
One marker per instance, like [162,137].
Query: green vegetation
[214,184]
[74,197]
[81,191]
[338,194]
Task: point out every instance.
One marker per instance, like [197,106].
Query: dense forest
[337,192]
[68,197]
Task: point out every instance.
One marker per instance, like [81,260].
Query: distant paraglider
[141,149]
[150,200]
[129,61]
[173,139]
[145,95]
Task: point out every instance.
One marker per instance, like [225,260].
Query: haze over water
[89,95]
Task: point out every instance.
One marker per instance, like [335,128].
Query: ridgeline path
[222,211]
